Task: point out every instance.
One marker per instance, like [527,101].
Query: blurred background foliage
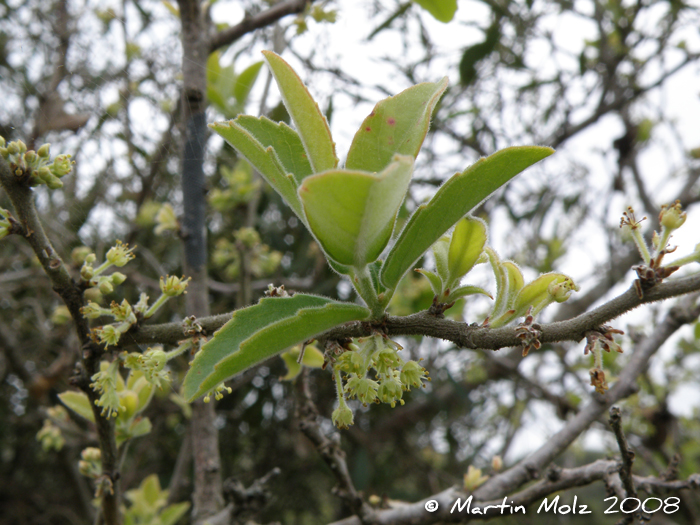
[100,80]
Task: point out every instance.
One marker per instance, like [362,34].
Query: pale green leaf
[457,197]
[435,281]
[79,403]
[463,291]
[441,250]
[308,119]
[516,281]
[140,427]
[283,140]
[396,125]
[172,513]
[352,213]
[259,332]
[442,10]
[151,492]
[313,358]
[468,240]
[265,160]
[244,82]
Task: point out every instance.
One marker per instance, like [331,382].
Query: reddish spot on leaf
[391,121]
[368,128]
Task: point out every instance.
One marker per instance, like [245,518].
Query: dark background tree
[123,87]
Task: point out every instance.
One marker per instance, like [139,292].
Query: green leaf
[284,140]
[151,491]
[463,291]
[259,332]
[441,250]
[397,124]
[435,281]
[476,53]
[457,197]
[132,429]
[313,358]
[442,10]
[308,119]
[516,281]
[467,243]
[172,513]
[265,160]
[501,277]
[214,74]
[79,403]
[542,292]
[244,82]
[352,213]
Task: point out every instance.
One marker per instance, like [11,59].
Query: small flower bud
[118,278]
[91,454]
[342,416]
[21,146]
[391,390]
[93,310]
[364,389]
[249,237]
[79,254]
[43,151]
[672,217]
[54,183]
[496,463]
[173,286]
[412,374]
[30,157]
[61,166]
[105,287]
[166,220]
[87,272]
[60,315]
[12,148]
[2,141]
[120,254]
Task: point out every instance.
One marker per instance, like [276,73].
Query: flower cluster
[35,166]
[105,384]
[123,313]
[6,223]
[392,375]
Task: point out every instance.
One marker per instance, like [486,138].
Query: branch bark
[208,497]
[462,334]
[498,487]
[22,198]
[251,23]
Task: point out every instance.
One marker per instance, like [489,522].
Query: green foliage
[351,213]
[396,125]
[455,198]
[310,122]
[227,91]
[122,400]
[148,505]
[442,10]
[34,166]
[259,332]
